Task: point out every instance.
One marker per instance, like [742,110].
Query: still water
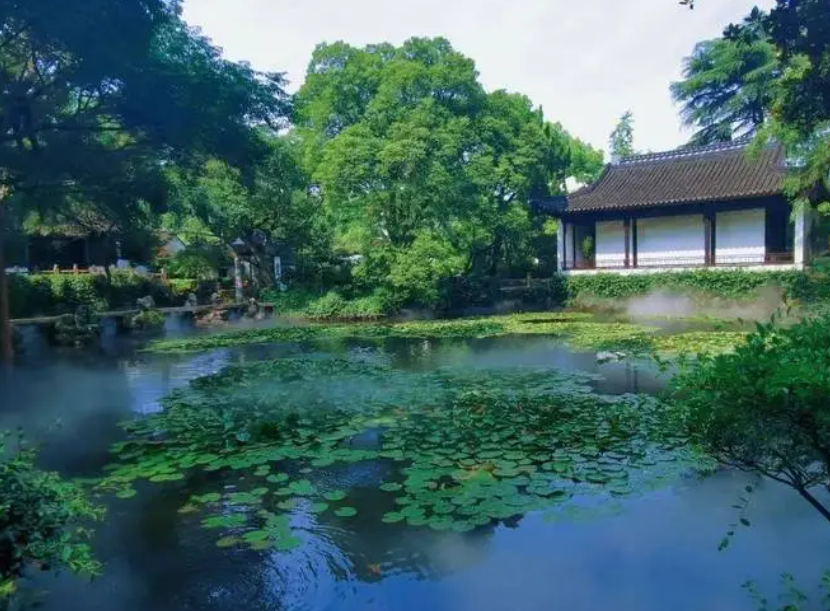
[653,551]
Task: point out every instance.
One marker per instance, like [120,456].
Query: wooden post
[709,238]
[56,269]
[627,238]
[634,241]
[564,246]
[6,348]
[75,269]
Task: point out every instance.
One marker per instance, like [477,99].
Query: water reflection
[658,553]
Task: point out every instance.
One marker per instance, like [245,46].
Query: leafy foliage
[46,294]
[763,407]
[422,172]
[41,520]
[726,284]
[621,142]
[728,86]
[577,329]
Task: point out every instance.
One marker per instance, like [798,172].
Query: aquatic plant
[580,330]
[465,448]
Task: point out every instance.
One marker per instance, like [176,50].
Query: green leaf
[345,512]
[393,517]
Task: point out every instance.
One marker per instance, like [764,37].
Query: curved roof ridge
[689,151]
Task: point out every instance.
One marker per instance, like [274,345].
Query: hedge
[734,284]
[49,294]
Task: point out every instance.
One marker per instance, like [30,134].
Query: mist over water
[655,551]
[763,304]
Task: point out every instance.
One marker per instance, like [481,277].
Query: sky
[584,61]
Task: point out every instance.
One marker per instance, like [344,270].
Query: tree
[216,204]
[728,86]
[621,142]
[800,111]
[764,407]
[93,103]
[413,156]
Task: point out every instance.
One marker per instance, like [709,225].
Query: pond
[335,473]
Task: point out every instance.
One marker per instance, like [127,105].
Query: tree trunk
[824,511]
[495,253]
[6,351]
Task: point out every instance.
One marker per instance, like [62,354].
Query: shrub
[198,263]
[377,305]
[329,305]
[764,407]
[41,518]
[49,294]
[295,300]
[728,284]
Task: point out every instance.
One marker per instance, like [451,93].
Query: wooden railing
[770,258]
[77,271]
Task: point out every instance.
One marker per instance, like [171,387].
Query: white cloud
[584,61]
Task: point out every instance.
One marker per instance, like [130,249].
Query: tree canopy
[728,86]
[770,76]
[414,158]
[93,101]
[621,142]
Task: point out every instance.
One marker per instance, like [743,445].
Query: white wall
[610,244]
[740,236]
[671,240]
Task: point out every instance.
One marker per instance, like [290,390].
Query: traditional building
[695,207]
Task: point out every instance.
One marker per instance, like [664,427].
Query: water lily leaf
[393,517]
[277,478]
[391,487]
[334,495]
[126,493]
[319,507]
[225,521]
[227,542]
[255,535]
[345,512]
[287,543]
[210,497]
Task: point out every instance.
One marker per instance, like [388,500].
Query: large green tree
[216,203]
[728,85]
[799,112]
[413,156]
[94,101]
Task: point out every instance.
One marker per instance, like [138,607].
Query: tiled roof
[721,172]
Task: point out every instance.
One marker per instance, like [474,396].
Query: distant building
[710,206]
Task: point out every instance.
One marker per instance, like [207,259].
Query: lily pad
[334,495]
[345,512]
[393,517]
[227,542]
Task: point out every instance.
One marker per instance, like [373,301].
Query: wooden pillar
[709,238]
[634,242]
[564,264]
[627,239]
